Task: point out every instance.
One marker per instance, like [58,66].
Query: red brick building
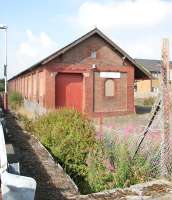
[92,74]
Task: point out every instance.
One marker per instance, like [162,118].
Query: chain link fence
[147,141]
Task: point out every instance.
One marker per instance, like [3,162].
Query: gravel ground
[52,182]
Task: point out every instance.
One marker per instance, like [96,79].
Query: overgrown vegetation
[94,165]
[2,85]
[15,100]
[149,101]
[111,166]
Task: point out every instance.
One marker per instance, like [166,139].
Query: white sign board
[110,74]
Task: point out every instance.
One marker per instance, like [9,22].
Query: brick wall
[118,102]
[31,85]
[78,60]
[81,54]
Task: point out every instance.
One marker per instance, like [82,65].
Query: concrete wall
[34,107]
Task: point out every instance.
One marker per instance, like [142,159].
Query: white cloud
[35,48]
[146,48]
[138,26]
[110,15]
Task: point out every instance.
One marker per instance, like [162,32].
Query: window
[93,54]
[156,74]
[109,88]
[154,89]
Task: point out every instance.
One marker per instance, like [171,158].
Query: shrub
[149,101]
[114,167]
[15,100]
[100,177]
[94,165]
[70,137]
[141,170]
[2,85]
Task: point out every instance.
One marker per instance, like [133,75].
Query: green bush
[149,101]
[2,85]
[70,137]
[15,100]
[94,165]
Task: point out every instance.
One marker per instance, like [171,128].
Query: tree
[2,85]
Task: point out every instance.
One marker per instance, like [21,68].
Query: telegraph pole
[3,27]
[165,78]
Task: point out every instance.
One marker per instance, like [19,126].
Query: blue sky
[37,28]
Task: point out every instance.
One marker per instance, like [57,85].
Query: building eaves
[76,42]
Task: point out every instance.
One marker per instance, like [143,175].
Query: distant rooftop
[151,65]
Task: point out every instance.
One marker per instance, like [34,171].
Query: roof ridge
[77,41]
